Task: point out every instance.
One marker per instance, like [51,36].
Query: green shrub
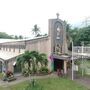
[44,70]
[34,70]
[25,72]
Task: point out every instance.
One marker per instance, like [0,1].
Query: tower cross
[57,15]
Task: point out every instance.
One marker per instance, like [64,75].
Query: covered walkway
[8,60]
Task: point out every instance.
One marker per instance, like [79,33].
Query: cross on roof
[57,15]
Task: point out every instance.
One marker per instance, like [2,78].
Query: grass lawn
[50,84]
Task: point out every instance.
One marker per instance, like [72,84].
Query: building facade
[54,45]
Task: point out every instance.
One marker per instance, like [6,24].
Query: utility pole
[82,59]
[72,63]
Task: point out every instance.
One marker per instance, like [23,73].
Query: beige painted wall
[42,45]
[10,64]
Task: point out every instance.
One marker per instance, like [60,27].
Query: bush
[25,72]
[44,70]
[34,70]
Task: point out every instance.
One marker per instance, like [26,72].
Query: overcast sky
[19,16]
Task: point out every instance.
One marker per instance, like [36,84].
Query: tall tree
[5,35]
[20,37]
[68,36]
[16,37]
[83,35]
[68,28]
[36,30]
[25,58]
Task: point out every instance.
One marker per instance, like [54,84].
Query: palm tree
[20,61]
[36,30]
[33,59]
[43,59]
[25,58]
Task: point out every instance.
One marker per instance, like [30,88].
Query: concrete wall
[42,45]
[16,46]
[10,64]
[53,23]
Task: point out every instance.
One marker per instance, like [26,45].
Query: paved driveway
[21,79]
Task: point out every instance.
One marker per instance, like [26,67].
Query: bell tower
[57,33]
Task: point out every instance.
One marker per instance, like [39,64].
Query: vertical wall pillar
[52,65]
[19,48]
[65,67]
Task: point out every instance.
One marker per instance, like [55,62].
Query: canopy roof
[62,57]
[8,55]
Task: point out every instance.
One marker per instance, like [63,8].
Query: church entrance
[58,64]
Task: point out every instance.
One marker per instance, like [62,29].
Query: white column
[65,67]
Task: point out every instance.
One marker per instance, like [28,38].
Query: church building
[54,45]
